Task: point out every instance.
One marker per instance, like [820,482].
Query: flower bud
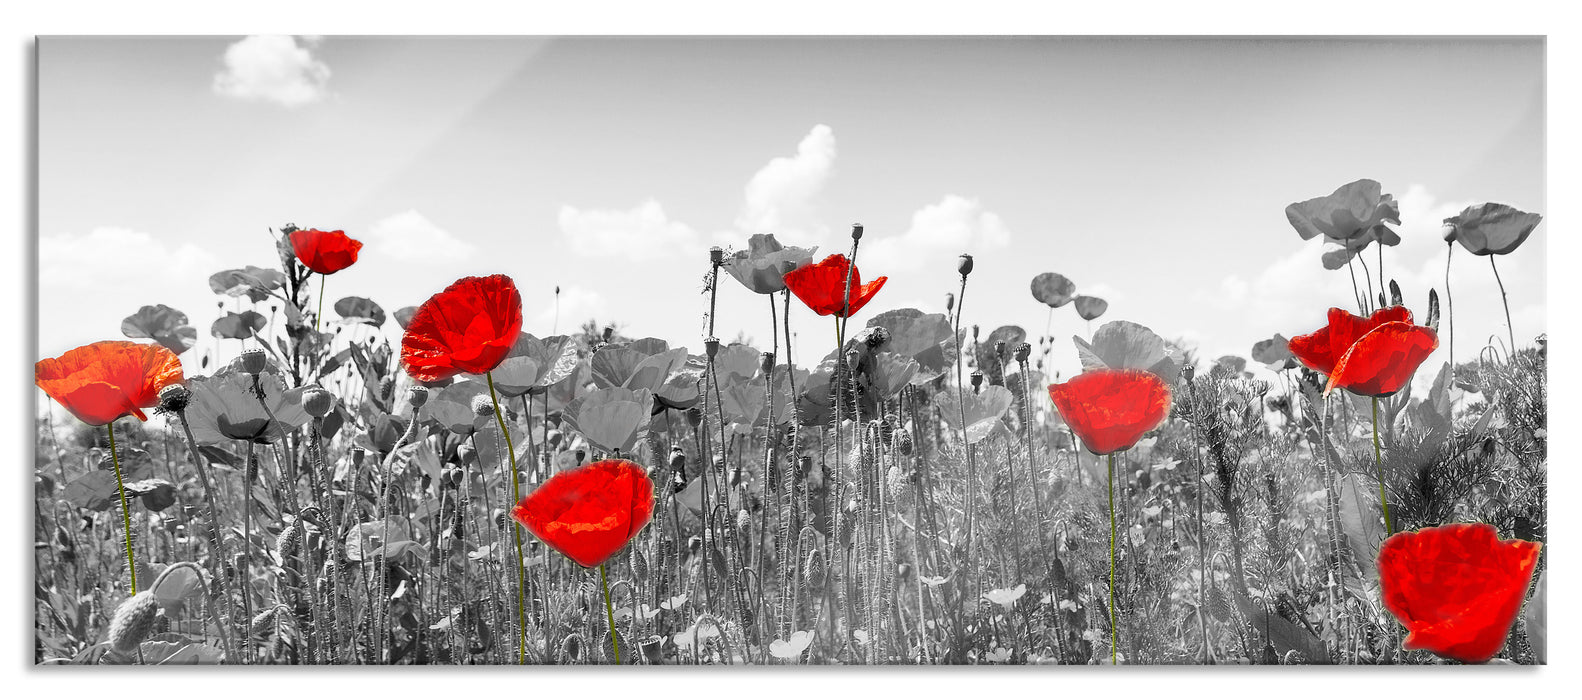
[716,255]
[317,402]
[133,621]
[974,332]
[253,361]
[609,332]
[482,406]
[964,264]
[174,398]
[999,350]
[1449,233]
[451,476]
[678,460]
[417,396]
[695,416]
[711,345]
[950,301]
[977,380]
[856,232]
[1023,351]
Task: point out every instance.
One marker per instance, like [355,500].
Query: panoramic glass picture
[780,351]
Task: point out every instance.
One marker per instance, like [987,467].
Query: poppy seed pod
[1187,371]
[950,301]
[174,398]
[609,332]
[317,402]
[254,361]
[1023,351]
[964,264]
[451,476]
[977,381]
[766,362]
[695,416]
[974,332]
[711,346]
[678,460]
[417,396]
[716,256]
[856,232]
[877,336]
[999,350]
[482,406]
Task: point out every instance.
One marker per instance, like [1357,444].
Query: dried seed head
[964,264]
[609,332]
[417,396]
[1023,351]
[678,460]
[711,345]
[174,398]
[482,406]
[716,255]
[974,332]
[999,350]
[977,380]
[856,232]
[766,362]
[133,621]
[253,361]
[318,402]
[695,416]
[1187,371]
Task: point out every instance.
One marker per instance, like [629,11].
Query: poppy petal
[325,252]
[469,328]
[103,381]
[1111,409]
[1383,360]
[1456,588]
[589,513]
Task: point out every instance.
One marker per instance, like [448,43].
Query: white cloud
[410,236]
[780,197]
[273,68]
[643,233]
[113,261]
[953,226]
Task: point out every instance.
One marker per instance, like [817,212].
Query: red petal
[591,512]
[822,286]
[325,252]
[1456,588]
[470,327]
[1322,349]
[1384,359]
[103,381]
[1110,409]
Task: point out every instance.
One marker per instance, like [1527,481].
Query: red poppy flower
[1373,356]
[1110,409]
[470,327]
[589,513]
[103,381]
[325,252]
[822,286]
[1456,588]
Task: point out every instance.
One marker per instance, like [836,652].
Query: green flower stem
[1378,458]
[320,313]
[516,532]
[1509,328]
[126,513]
[1114,638]
[609,610]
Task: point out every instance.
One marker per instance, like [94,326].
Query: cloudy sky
[1152,172]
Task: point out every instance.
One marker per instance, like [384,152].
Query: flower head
[325,252]
[1373,356]
[822,286]
[763,265]
[1110,409]
[1352,211]
[103,381]
[1456,588]
[227,406]
[1491,228]
[589,513]
[468,328]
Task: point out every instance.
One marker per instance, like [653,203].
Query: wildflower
[763,266]
[1110,409]
[103,381]
[469,327]
[1490,228]
[822,286]
[591,512]
[1456,588]
[1373,356]
[325,252]
[234,405]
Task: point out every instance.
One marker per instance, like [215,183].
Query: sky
[1152,172]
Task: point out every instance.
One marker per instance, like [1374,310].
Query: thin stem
[1378,458]
[1114,639]
[1450,310]
[1510,329]
[1367,275]
[320,313]
[516,532]
[1355,292]
[609,611]
[126,513]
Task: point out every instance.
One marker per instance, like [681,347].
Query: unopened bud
[766,362]
[716,255]
[609,332]
[695,416]
[1449,233]
[964,264]
[950,301]
[318,402]
[856,232]
[999,350]
[133,621]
